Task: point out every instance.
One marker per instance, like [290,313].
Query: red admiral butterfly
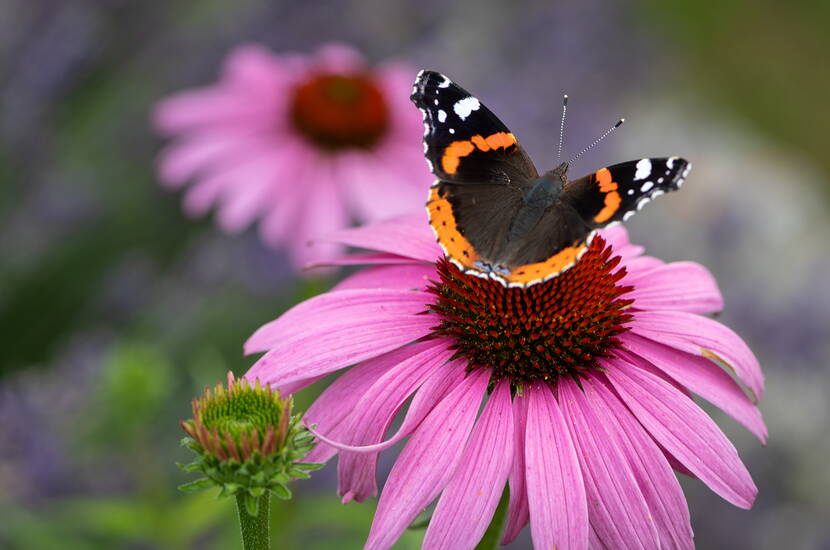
[494,215]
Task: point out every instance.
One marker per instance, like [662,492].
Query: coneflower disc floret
[552,329]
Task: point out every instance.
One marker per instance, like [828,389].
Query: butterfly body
[494,215]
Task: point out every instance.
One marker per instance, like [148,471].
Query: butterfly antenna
[600,138]
[562,127]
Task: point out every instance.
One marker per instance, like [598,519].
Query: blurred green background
[115,310]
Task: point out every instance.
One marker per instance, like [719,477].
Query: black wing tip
[424,78]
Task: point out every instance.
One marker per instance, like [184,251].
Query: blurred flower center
[555,328]
[340,112]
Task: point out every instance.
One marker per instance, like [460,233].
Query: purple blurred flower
[304,143]
[588,379]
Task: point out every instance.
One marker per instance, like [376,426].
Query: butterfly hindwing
[615,193]
[464,141]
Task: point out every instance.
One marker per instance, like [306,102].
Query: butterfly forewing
[613,194]
[464,141]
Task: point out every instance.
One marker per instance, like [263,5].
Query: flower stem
[255,529]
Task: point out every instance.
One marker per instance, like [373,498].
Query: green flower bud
[246,443]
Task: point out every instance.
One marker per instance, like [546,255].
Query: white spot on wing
[442,115]
[444,83]
[452,130]
[436,102]
[463,107]
[646,186]
[670,162]
[630,191]
[643,170]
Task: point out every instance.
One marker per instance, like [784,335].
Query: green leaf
[281,491]
[197,485]
[308,466]
[252,505]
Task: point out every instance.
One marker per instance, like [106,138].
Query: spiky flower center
[340,111]
[549,330]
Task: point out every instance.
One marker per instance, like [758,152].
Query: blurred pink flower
[587,377]
[305,144]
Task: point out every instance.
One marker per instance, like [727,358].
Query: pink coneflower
[587,380]
[305,144]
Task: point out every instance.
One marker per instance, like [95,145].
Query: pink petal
[336,308]
[213,106]
[254,67]
[555,486]
[187,157]
[337,401]
[403,277]
[428,461]
[367,324]
[702,336]
[517,511]
[363,258]
[436,387]
[408,236]
[617,507]
[374,191]
[467,505]
[375,411]
[286,208]
[701,376]
[338,57]
[640,265]
[678,286]
[685,431]
[654,475]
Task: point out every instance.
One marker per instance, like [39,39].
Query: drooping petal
[654,475]
[361,173]
[702,336]
[555,487]
[375,411]
[617,506]
[436,387]
[467,504]
[677,286]
[428,461]
[190,156]
[701,376]
[337,401]
[678,424]
[407,236]
[400,277]
[517,511]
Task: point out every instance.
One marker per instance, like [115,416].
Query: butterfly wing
[464,142]
[615,193]
[585,205]
[482,171]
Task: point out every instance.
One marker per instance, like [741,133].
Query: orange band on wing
[612,197]
[531,273]
[457,150]
[442,219]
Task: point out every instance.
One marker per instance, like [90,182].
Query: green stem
[255,529]
[492,537]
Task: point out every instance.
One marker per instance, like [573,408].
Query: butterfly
[493,214]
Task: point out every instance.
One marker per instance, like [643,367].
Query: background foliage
[115,310]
